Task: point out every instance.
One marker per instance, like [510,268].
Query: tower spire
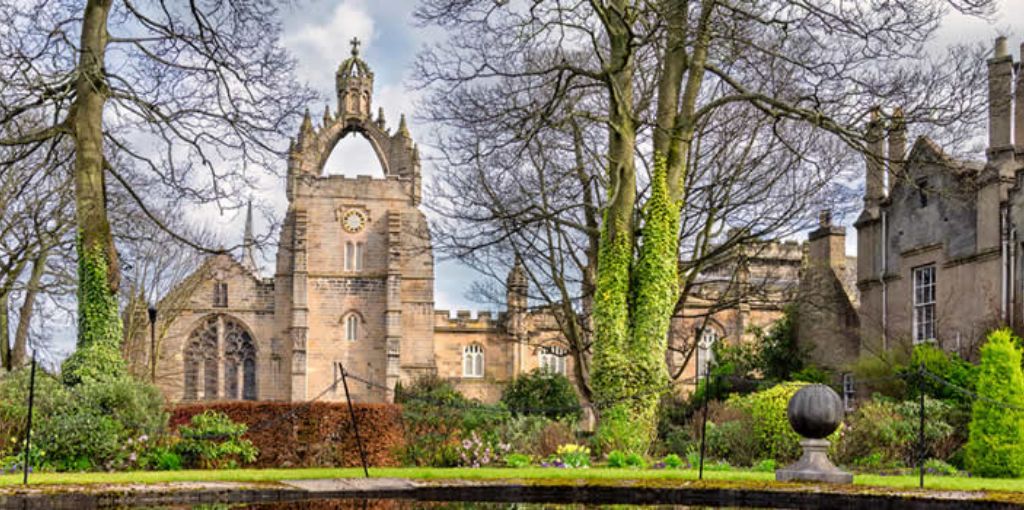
[248,258]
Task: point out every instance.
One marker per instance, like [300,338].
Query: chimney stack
[1018,128]
[874,181]
[897,147]
[827,244]
[1000,94]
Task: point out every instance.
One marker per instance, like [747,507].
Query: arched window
[239,355]
[352,327]
[552,359]
[201,358]
[705,350]
[203,355]
[473,361]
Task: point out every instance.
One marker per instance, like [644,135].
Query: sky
[318,32]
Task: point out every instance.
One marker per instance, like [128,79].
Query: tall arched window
[203,355]
[705,350]
[473,361]
[352,327]
[552,359]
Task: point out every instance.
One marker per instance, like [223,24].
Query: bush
[572,456]
[214,441]
[883,433]
[775,438]
[616,459]
[940,468]
[517,460]
[477,452]
[673,461]
[995,446]
[435,416]
[542,393]
[98,424]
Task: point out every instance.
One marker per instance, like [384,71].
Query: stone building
[939,257]
[354,287]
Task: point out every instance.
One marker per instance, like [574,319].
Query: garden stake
[355,425]
[920,429]
[28,427]
[704,426]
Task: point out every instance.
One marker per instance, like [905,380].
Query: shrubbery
[883,433]
[214,441]
[996,444]
[97,424]
[542,393]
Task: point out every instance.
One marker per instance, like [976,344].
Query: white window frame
[924,298]
[705,350]
[359,257]
[473,361]
[353,256]
[552,359]
[352,327]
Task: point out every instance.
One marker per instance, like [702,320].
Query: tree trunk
[99,275]
[20,349]
[99,324]
[5,332]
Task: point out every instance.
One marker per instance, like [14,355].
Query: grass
[540,475]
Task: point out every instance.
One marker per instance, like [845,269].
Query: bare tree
[194,99]
[751,103]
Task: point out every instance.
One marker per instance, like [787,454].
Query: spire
[306,129]
[380,118]
[248,258]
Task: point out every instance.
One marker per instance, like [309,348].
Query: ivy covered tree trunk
[637,279]
[99,324]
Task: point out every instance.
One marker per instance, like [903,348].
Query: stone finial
[1000,47]
[380,118]
[403,129]
[306,129]
[355,42]
[327,115]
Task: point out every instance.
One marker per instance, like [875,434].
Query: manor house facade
[354,287]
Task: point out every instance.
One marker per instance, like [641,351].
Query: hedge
[310,435]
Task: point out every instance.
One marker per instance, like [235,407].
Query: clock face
[353,221]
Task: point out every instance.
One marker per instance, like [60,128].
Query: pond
[408,504]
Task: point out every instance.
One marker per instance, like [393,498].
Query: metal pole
[704,425]
[355,424]
[920,429]
[28,427]
[152,344]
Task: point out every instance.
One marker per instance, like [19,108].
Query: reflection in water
[400,504]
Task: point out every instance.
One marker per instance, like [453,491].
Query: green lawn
[598,475]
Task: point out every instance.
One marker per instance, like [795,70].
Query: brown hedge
[310,435]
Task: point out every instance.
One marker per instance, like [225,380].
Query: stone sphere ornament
[815,411]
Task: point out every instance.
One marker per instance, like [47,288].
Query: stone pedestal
[813,466]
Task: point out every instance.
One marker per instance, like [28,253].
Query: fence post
[920,428]
[28,427]
[355,425]
[704,424]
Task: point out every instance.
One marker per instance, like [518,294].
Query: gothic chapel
[353,284]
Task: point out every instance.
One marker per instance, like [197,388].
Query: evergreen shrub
[995,447]
[544,393]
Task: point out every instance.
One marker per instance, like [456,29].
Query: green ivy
[98,354]
[632,311]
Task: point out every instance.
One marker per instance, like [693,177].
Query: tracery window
[552,359]
[203,358]
[473,361]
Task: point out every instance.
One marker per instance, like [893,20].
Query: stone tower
[355,267]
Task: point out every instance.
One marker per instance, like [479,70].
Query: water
[400,504]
